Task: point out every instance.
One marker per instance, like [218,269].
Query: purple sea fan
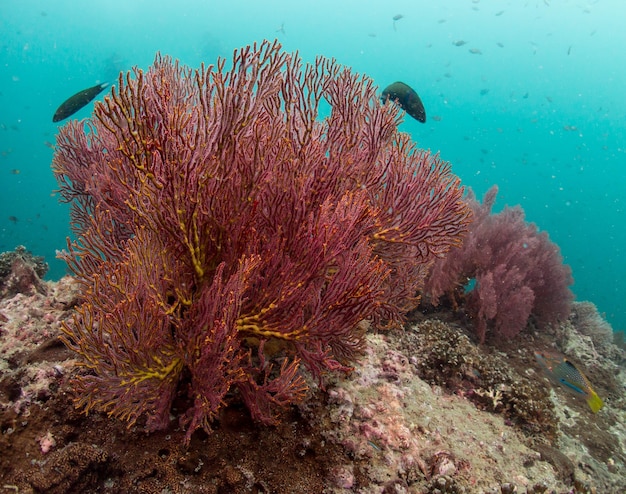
[509,270]
[226,235]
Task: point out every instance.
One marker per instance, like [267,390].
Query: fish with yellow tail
[563,372]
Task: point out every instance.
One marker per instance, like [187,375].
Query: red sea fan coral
[226,234]
[509,270]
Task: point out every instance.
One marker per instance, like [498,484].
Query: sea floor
[425,410]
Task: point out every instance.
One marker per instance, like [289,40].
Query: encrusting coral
[225,234]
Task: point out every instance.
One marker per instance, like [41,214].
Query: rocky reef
[425,410]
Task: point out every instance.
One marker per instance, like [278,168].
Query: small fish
[76,102]
[484,91]
[406,98]
[459,42]
[569,50]
[563,372]
[475,51]
[396,17]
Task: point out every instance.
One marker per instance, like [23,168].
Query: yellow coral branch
[160,372]
[256,325]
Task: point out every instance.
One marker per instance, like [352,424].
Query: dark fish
[484,91]
[76,102]
[406,98]
[459,42]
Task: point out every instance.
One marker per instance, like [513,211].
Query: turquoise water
[539,111]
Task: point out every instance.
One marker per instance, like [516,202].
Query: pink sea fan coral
[504,272]
[226,235]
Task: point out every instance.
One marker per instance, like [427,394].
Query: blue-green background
[549,131]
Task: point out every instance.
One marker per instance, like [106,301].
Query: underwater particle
[76,102]
[406,98]
[475,51]
[563,372]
